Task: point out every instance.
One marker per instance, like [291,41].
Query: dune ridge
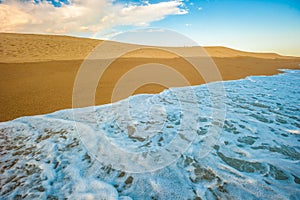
[21,48]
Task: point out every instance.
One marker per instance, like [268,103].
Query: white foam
[294,131]
[256,156]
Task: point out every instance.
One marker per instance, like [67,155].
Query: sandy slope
[16,48]
[37,72]
[19,48]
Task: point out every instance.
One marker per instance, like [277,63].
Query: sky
[250,25]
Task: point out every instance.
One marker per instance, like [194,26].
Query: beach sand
[37,72]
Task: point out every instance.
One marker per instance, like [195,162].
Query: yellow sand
[37,72]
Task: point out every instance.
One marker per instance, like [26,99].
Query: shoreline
[45,87]
[280,71]
[31,85]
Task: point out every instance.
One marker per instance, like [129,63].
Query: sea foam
[255,156]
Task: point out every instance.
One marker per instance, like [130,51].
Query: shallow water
[255,156]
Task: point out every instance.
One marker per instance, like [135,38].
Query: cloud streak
[79,16]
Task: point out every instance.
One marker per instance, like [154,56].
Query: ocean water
[172,145]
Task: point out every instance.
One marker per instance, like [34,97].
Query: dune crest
[20,48]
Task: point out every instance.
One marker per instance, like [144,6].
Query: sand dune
[20,48]
[224,52]
[37,72]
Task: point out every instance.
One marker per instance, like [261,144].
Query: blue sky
[256,25]
[251,25]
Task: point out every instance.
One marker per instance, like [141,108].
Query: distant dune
[37,72]
[19,48]
[223,52]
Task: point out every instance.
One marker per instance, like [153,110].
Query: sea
[226,140]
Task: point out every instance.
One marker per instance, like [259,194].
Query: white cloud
[79,16]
